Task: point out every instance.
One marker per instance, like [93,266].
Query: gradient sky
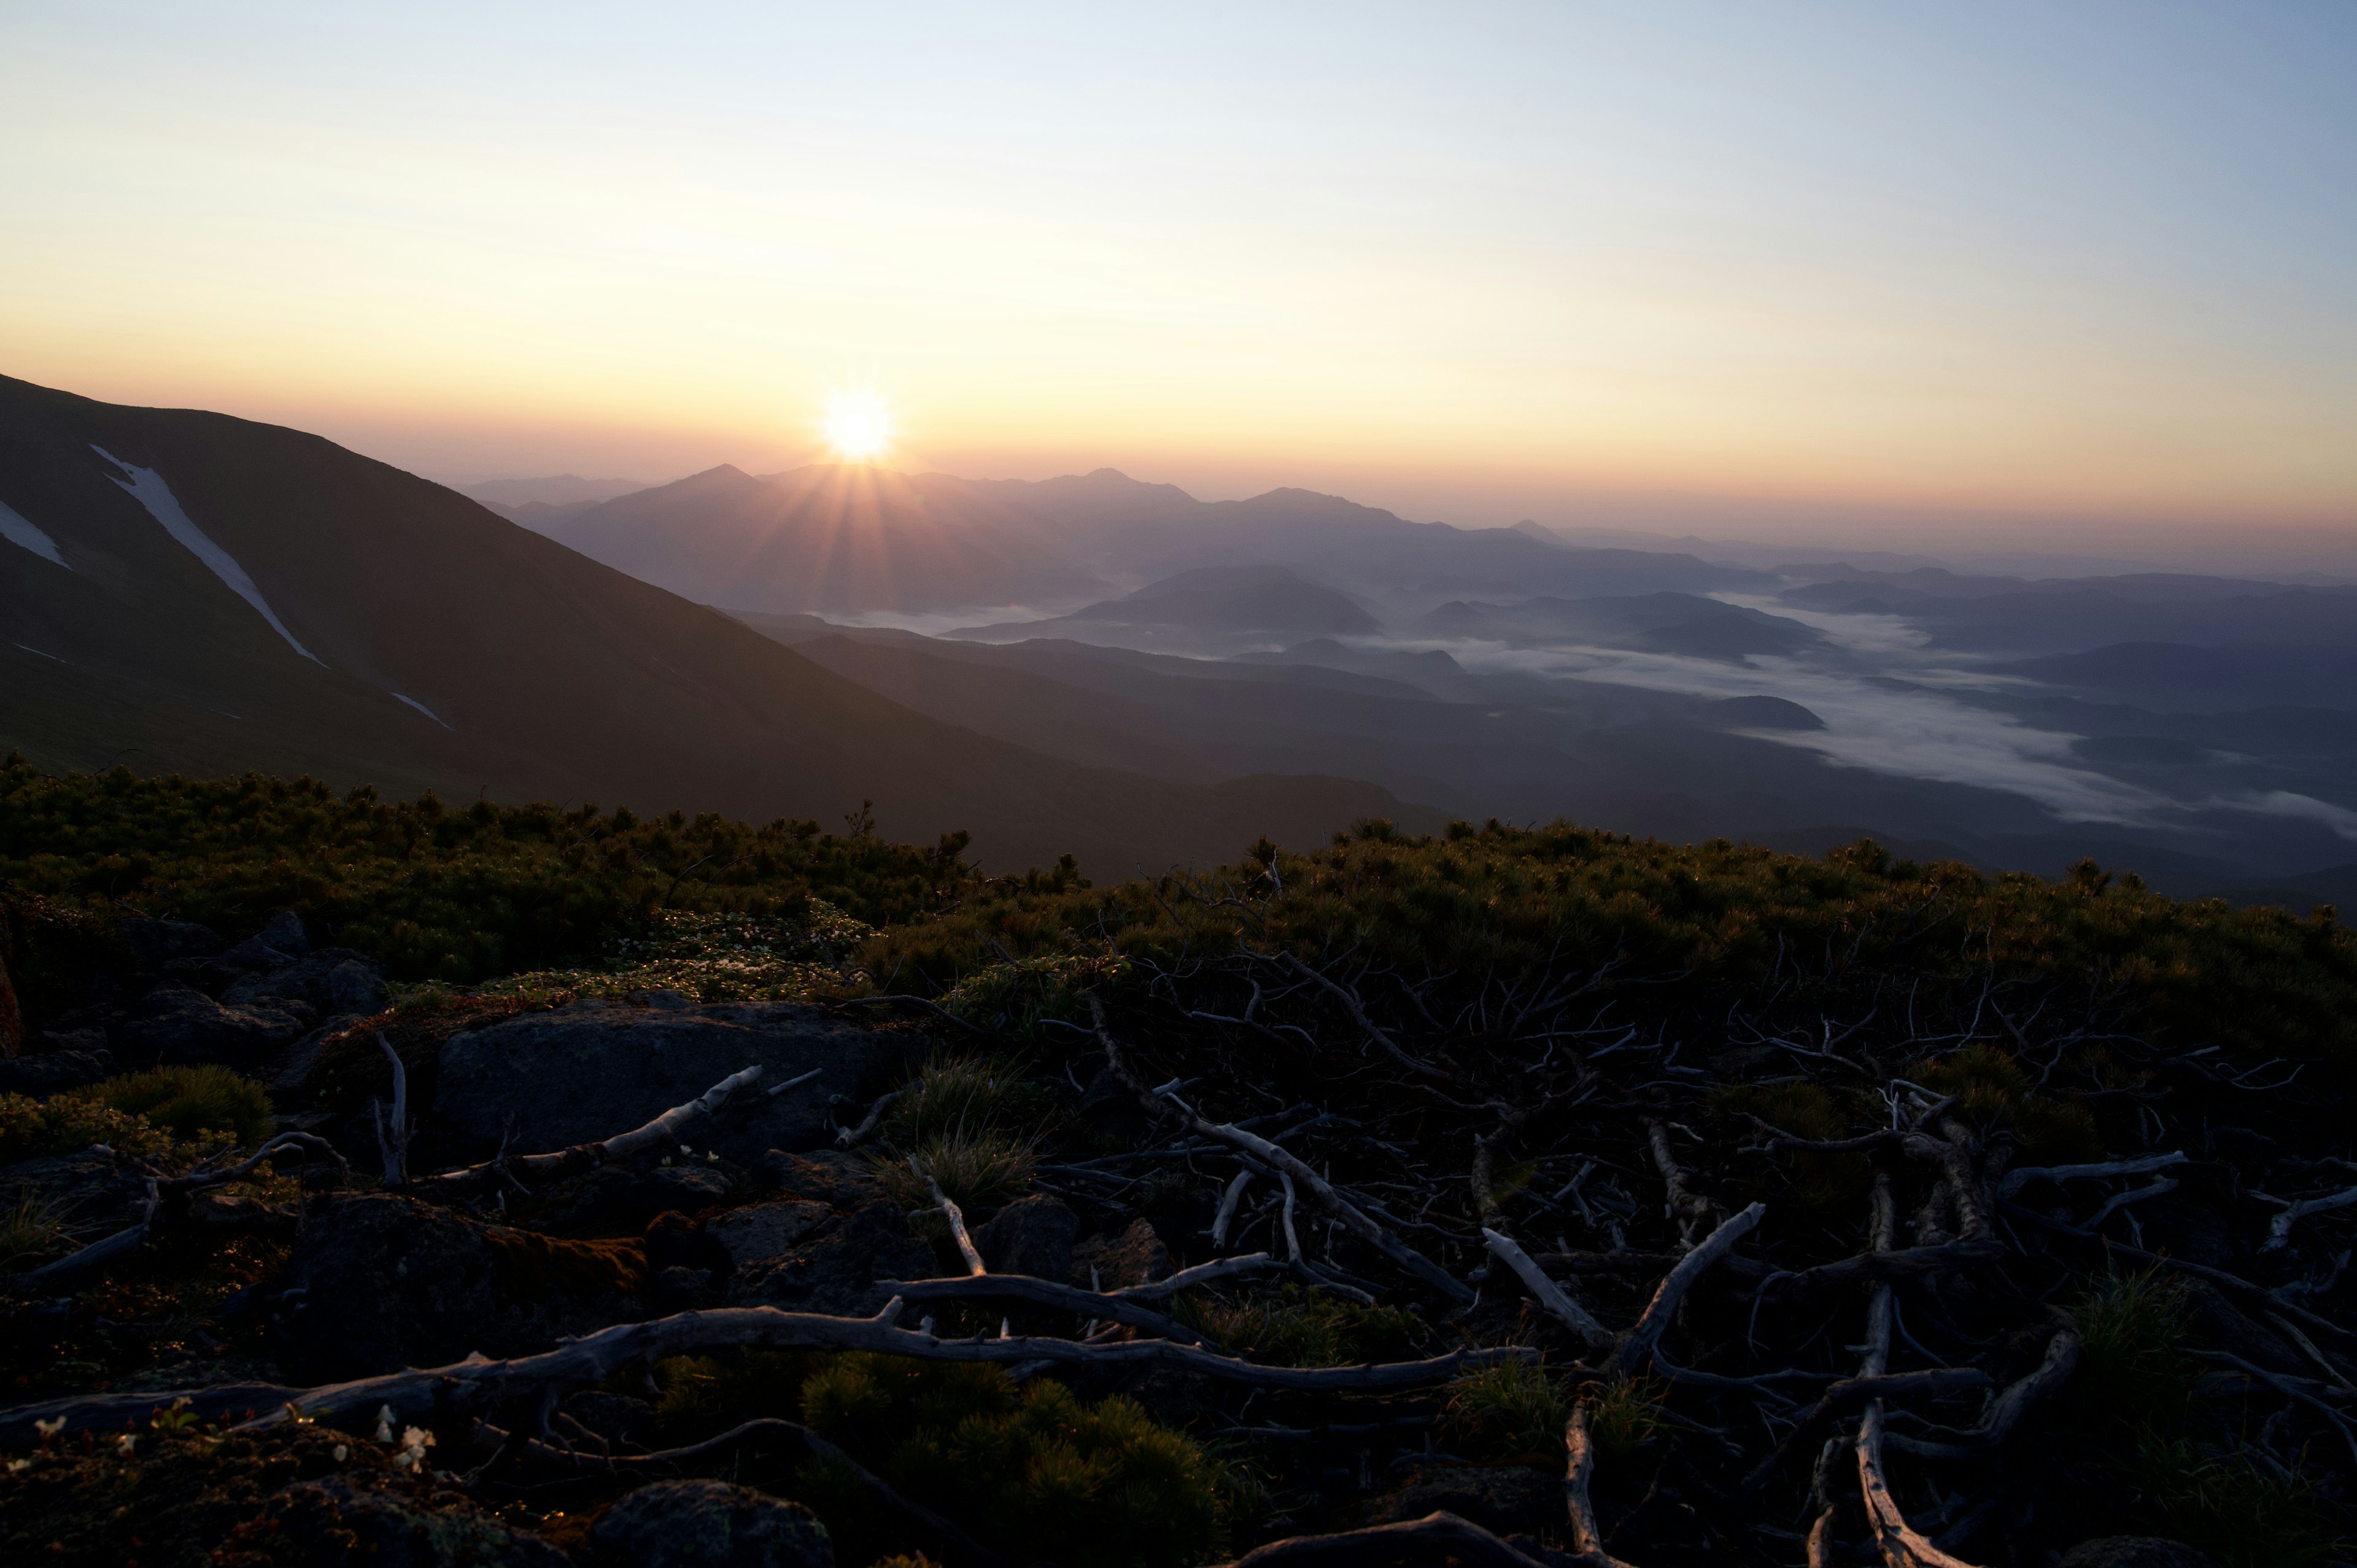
[1913,271]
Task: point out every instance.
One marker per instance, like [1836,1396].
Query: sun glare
[858,426]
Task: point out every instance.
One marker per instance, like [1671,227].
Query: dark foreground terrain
[383,1183]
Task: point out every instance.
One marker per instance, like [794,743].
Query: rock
[332,980]
[673,1241]
[568,1077]
[45,1074]
[833,1265]
[155,943]
[379,1282]
[664,1001]
[760,1232]
[2134,1552]
[1498,1498]
[1136,1257]
[1030,1236]
[333,1520]
[710,1524]
[284,932]
[255,953]
[175,1024]
[99,1190]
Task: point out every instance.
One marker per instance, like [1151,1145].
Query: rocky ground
[1729,1293]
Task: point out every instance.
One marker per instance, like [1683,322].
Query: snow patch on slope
[422,708]
[18,529]
[148,487]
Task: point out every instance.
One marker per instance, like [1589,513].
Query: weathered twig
[102,1254]
[1550,1295]
[852,1137]
[954,1215]
[2016,1179]
[1044,1292]
[393,1143]
[1354,1219]
[1687,1206]
[1579,1472]
[2004,1412]
[1851,1392]
[1434,1537]
[2296,1210]
[1374,1031]
[664,1129]
[1201,1274]
[1902,1545]
[1636,1350]
[477,1385]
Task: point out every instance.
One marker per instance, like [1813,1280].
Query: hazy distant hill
[217,596]
[1654,623]
[1209,609]
[555,490]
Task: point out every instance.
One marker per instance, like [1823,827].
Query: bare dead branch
[1688,1207]
[1436,1537]
[1044,1292]
[1550,1295]
[954,1215]
[665,1128]
[1636,1351]
[393,1143]
[1353,1218]
[1579,1472]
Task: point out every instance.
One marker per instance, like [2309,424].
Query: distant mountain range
[187,592]
[1123,671]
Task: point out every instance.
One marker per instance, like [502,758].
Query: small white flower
[127,1444]
[342,1451]
[51,1427]
[384,1425]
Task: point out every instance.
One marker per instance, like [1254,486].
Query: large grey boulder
[340,1520]
[1030,1236]
[710,1524]
[331,981]
[177,1024]
[379,1282]
[583,1073]
[837,1231]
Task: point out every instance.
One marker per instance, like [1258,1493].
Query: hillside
[1540,1199]
[363,625]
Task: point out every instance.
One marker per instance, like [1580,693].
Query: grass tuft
[188,1101]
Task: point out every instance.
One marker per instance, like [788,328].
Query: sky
[2077,275]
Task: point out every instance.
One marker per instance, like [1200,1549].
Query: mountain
[839,537]
[1211,608]
[1652,623]
[508,496]
[187,592]
[854,538]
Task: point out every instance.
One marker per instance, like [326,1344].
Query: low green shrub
[1037,1474]
[1515,1412]
[188,1101]
[1296,1327]
[65,1123]
[980,1171]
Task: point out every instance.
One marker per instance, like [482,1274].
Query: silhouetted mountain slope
[361,623]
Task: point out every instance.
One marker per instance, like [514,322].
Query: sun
[858,426]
